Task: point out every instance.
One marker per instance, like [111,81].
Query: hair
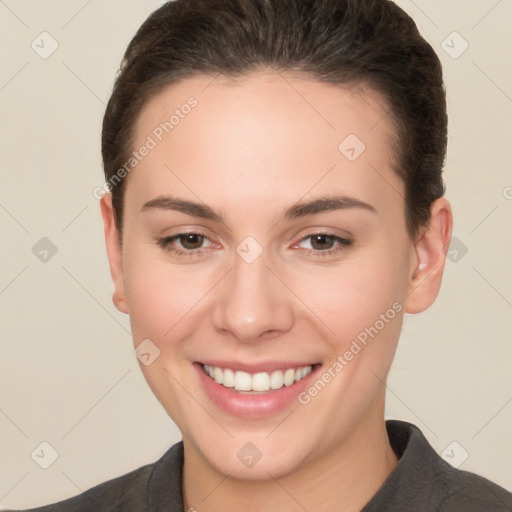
[373,43]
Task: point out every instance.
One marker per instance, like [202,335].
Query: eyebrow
[298,210]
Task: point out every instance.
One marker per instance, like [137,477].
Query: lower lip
[252,406]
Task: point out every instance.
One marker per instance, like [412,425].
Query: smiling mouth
[257,383]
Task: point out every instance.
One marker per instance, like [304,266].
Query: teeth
[289,377]
[263,381]
[217,375]
[243,381]
[276,379]
[228,378]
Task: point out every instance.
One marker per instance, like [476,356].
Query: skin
[249,150]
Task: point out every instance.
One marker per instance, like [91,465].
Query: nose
[252,303]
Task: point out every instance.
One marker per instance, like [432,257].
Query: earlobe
[429,258]
[114,252]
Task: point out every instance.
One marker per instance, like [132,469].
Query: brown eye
[191,244]
[191,241]
[322,242]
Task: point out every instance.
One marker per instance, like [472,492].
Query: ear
[429,257]
[114,252]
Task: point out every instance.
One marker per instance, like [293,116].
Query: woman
[273,205]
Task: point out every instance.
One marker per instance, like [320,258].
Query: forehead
[264,134]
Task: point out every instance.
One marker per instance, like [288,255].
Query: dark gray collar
[421,481]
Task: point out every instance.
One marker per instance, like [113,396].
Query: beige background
[67,372]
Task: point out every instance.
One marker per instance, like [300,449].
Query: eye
[184,243]
[192,244]
[322,244]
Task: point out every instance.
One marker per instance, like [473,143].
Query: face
[267,265]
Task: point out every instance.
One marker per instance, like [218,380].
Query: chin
[257,459]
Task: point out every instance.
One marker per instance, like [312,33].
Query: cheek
[160,295]
[352,296]
[164,300]
[165,297]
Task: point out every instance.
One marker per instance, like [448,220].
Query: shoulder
[131,492]
[111,495]
[469,492]
[433,484]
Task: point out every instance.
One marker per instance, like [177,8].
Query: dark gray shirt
[421,482]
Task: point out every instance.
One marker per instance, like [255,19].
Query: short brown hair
[371,42]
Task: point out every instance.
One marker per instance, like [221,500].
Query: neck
[350,474]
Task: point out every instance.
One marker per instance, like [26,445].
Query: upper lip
[268,366]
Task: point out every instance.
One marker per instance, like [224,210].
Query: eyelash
[165,243]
